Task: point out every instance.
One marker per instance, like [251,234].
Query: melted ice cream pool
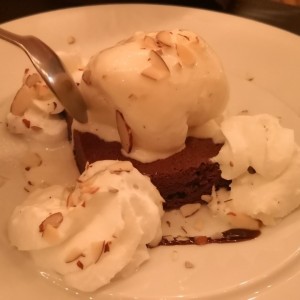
[165,86]
[96,232]
[263,161]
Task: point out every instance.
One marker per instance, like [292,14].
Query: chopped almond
[54,220]
[125,132]
[158,69]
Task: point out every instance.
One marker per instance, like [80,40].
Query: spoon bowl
[53,72]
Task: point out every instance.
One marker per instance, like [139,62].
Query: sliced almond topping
[150,43]
[21,100]
[107,246]
[165,38]
[183,37]
[80,265]
[86,77]
[87,181]
[188,210]
[125,132]
[26,123]
[31,160]
[188,265]
[206,198]
[185,55]
[90,189]
[73,199]
[57,108]
[97,249]
[240,220]
[73,255]
[32,79]
[43,92]
[36,128]
[120,166]
[158,69]
[54,220]
[113,190]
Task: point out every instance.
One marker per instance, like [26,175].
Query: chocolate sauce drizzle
[229,236]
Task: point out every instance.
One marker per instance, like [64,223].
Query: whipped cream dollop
[152,91]
[263,161]
[97,231]
[35,112]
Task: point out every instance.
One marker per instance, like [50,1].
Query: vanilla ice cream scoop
[152,91]
[95,232]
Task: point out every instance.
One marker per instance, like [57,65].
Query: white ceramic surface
[263,65]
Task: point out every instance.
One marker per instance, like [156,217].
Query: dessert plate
[263,67]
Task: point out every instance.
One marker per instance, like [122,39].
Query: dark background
[267,11]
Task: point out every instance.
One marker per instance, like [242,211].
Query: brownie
[181,178]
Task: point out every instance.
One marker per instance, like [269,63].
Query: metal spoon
[50,67]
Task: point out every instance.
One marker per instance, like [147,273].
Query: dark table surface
[277,14]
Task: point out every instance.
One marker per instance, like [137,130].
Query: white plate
[263,65]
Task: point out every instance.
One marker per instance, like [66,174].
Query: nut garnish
[113,190]
[26,123]
[31,160]
[183,37]
[158,69]
[54,220]
[90,190]
[97,249]
[188,264]
[32,79]
[240,220]
[74,199]
[165,38]
[251,170]
[43,92]
[80,265]
[36,128]
[188,210]
[120,166]
[107,246]
[149,42]
[185,55]
[125,132]
[21,100]
[206,198]
[86,77]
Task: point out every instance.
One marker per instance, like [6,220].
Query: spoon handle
[11,37]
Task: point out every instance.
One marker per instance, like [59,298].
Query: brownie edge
[181,178]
